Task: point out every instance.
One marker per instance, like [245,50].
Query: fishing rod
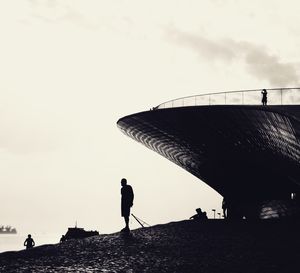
[140,221]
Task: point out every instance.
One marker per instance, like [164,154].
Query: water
[14,242]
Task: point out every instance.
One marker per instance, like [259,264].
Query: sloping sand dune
[187,246]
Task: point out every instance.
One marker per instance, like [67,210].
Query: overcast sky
[70,69]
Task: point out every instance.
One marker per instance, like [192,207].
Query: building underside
[248,154]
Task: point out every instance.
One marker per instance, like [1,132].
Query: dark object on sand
[79,233]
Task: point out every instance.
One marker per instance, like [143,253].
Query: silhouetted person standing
[126,202]
[29,242]
[264,99]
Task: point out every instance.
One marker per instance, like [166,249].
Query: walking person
[126,202]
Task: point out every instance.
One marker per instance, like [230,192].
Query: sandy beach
[186,246]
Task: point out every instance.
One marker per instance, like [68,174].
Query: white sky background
[70,69]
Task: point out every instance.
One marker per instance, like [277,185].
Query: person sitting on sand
[29,242]
[126,202]
[62,239]
[200,215]
[204,215]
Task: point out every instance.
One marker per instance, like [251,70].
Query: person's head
[123,182]
[198,210]
[29,235]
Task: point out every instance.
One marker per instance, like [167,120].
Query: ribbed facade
[250,154]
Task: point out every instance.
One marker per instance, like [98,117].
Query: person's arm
[33,243]
[132,198]
[131,194]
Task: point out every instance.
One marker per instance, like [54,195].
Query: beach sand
[186,246]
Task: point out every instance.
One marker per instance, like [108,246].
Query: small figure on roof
[264,99]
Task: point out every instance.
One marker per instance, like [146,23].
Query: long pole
[214,213]
[137,220]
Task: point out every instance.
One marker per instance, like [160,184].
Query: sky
[71,68]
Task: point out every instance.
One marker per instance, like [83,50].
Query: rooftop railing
[275,96]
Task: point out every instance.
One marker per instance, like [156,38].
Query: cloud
[53,11]
[258,61]
[266,66]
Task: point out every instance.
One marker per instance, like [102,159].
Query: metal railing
[275,96]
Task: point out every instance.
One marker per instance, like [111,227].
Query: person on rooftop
[264,99]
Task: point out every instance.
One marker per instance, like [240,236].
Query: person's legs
[126,221]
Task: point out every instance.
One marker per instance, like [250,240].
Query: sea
[15,242]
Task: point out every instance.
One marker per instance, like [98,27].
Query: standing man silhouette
[126,202]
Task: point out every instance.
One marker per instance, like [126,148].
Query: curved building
[250,154]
